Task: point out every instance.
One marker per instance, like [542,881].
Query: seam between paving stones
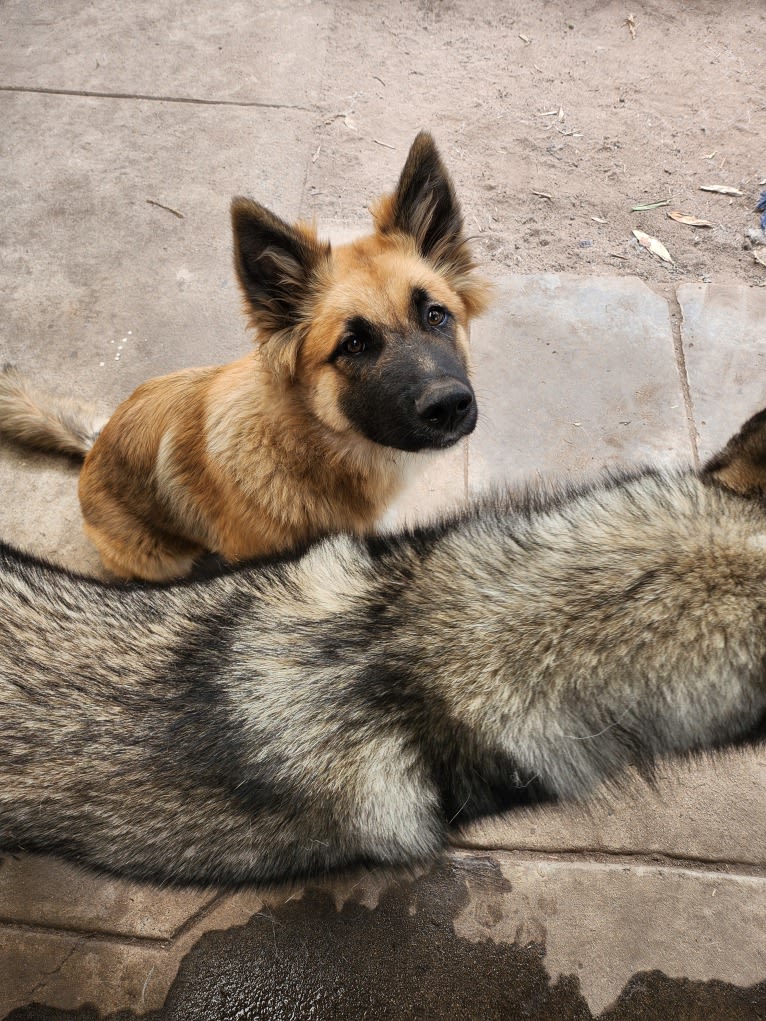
[315,134]
[306,171]
[665,864]
[116,938]
[111,938]
[676,325]
[662,861]
[193,100]
[198,915]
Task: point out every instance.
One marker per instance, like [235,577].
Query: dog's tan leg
[144,555]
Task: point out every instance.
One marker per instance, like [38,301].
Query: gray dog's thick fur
[352,705]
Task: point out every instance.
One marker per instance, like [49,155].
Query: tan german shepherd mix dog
[362,359]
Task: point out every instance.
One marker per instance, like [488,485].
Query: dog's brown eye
[352,345]
[436,316]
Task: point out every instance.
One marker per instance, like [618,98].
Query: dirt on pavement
[556,119]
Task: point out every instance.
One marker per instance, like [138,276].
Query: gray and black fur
[352,705]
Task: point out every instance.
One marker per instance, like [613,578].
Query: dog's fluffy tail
[38,419]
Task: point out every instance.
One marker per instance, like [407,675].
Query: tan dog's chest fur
[361,363]
[222,474]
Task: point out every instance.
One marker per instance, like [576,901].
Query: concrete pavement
[650,904]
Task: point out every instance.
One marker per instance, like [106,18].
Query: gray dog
[352,705]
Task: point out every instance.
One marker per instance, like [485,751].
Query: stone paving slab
[481,936]
[40,512]
[606,921]
[67,971]
[710,811]
[724,338]
[215,52]
[37,890]
[574,374]
[100,289]
[110,972]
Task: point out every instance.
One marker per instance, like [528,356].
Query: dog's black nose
[445,404]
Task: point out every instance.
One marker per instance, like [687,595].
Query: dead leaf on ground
[649,205]
[722,189]
[760,259]
[692,221]
[653,245]
[630,21]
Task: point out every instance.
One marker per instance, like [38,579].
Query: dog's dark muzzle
[411,406]
[448,407]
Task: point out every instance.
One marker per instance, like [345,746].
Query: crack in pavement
[193,100]
[43,982]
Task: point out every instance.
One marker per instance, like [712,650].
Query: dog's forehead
[376,280]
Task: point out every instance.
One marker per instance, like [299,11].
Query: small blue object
[761,208]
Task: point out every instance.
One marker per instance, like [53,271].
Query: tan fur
[247,471]
[257,456]
[40,420]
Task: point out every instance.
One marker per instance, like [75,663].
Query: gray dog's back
[351,705]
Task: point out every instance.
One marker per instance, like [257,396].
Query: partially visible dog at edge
[354,705]
[362,361]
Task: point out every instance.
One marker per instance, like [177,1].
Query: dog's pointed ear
[741,465]
[277,266]
[424,204]
[424,207]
